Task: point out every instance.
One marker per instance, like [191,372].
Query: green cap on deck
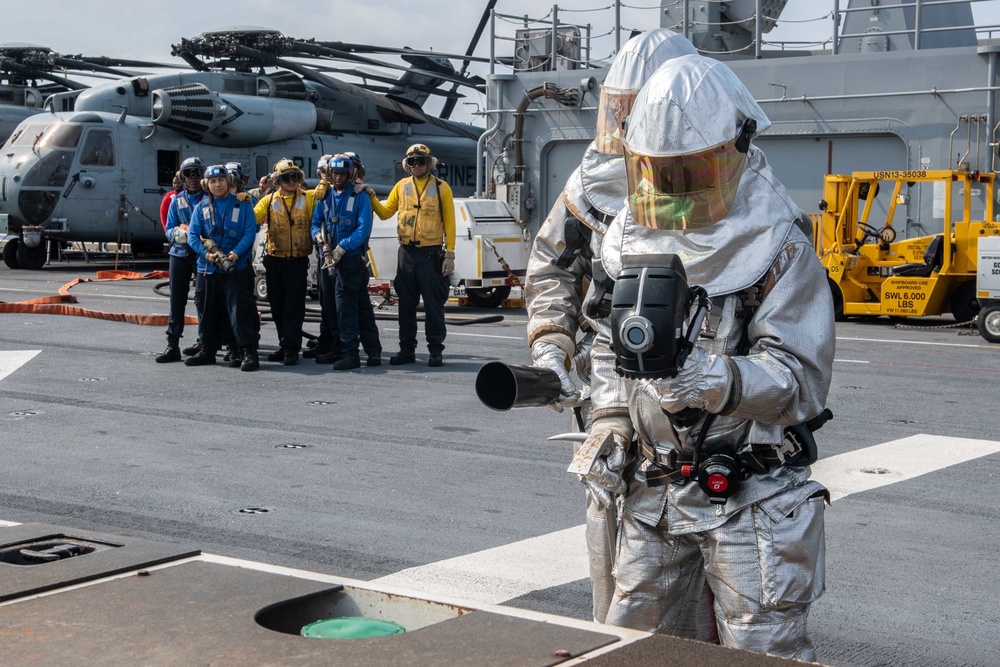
[351,627]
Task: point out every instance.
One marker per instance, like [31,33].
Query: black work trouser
[329,330]
[228,308]
[181,271]
[355,314]
[418,274]
[286,292]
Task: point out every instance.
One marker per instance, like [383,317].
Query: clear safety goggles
[612,110]
[677,192]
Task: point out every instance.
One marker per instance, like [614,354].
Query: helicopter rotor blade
[14,66]
[449,105]
[402,112]
[81,65]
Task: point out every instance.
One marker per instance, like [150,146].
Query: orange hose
[54,305]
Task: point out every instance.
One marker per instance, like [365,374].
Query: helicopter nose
[33,197]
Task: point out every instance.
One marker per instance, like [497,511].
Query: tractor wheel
[488,297]
[260,288]
[988,323]
[838,302]
[964,304]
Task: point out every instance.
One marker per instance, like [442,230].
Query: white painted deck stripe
[506,572]
[11,361]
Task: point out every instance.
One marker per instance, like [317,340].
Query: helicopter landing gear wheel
[988,323]
[30,258]
[488,297]
[10,253]
[964,304]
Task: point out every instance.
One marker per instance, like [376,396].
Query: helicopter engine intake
[229,119]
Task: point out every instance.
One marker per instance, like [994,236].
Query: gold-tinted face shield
[677,192]
[612,109]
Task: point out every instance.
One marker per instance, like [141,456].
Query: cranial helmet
[686,144]
[419,154]
[341,163]
[217,171]
[195,163]
[323,165]
[286,166]
[236,169]
[634,64]
[359,168]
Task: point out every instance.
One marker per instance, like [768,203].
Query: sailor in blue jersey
[327,349]
[346,219]
[222,233]
[182,260]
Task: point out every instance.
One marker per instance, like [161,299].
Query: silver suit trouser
[599,557]
[763,567]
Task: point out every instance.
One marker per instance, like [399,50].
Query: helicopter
[98,172]
[30,73]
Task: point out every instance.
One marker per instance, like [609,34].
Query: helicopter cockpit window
[51,171]
[98,149]
[59,135]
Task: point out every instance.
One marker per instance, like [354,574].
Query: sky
[129,29]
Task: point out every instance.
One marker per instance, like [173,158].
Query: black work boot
[331,357]
[347,363]
[203,358]
[192,350]
[291,357]
[233,356]
[172,353]
[277,355]
[402,357]
[436,360]
[315,352]
[250,360]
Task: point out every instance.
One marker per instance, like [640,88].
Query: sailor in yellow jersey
[287,211]
[426,230]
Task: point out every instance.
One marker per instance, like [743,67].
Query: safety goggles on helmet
[612,109]
[690,191]
[417,161]
[289,177]
[193,172]
[418,149]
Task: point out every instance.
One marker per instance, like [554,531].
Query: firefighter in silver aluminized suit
[560,258]
[698,189]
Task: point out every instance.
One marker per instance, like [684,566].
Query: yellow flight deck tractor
[872,274]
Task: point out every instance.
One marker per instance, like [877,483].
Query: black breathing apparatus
[649,303]
[651,300]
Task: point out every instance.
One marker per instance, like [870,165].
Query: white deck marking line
[908,342]
[506,572]
[11,361]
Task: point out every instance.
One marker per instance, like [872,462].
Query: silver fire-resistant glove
[704,382]
[448,265]
[337,254]
[545,354]
[610,437]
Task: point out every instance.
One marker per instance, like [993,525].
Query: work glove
[243,196]
[232,257]
[362,187]
[546,354]
[612,435]
[213,256]
[336,254]
[704,383]
[448,265]
[179,235]
[321,189]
